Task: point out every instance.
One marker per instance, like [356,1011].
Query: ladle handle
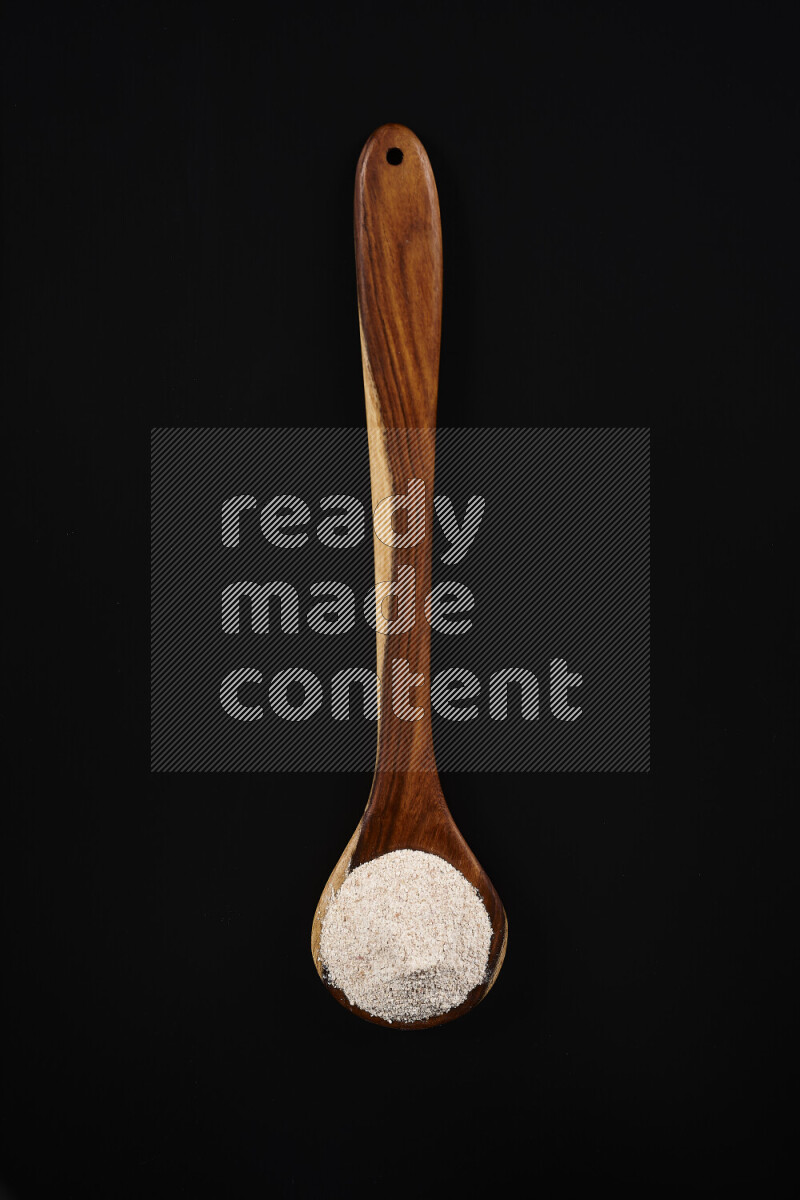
[398,243]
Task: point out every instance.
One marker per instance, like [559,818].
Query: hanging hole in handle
[394,156]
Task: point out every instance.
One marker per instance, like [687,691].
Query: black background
[619,196]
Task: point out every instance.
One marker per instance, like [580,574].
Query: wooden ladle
[398,242]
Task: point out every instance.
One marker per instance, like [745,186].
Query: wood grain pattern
[398,244]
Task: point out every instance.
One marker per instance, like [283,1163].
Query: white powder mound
[406,937]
